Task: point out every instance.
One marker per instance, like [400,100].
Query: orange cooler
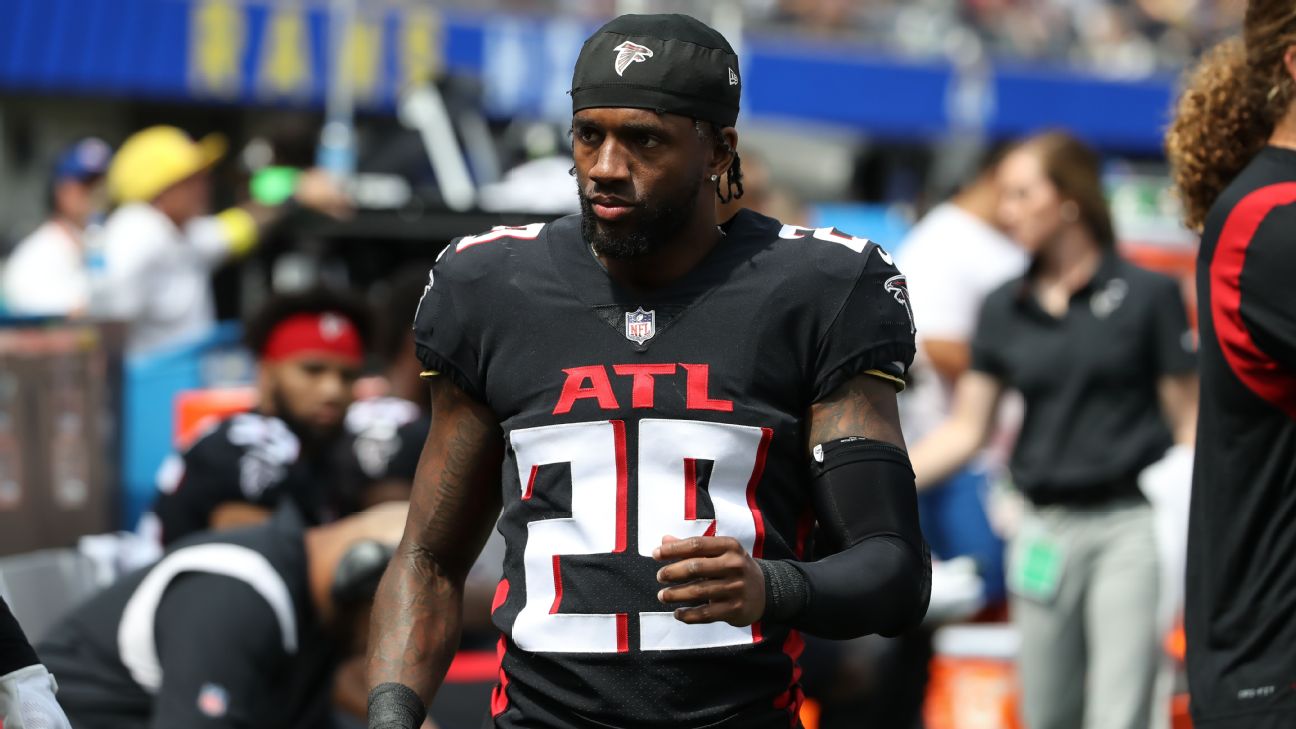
[973,678]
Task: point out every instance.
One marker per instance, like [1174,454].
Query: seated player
[310,349]
[241,628]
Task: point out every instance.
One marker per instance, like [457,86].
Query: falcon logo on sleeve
[898,287]
[628,53]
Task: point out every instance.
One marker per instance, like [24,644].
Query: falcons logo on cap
[628,53]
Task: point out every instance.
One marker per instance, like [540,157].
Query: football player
[657,409]
[240,629]
[310,348]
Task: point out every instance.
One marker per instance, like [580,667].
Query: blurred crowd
[1118,37]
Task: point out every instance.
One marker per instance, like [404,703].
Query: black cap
[667,63]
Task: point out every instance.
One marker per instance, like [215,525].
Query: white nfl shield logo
[641,325]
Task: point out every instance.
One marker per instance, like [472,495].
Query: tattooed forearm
[864,405]
[416,618]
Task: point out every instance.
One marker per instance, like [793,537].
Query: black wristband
[786,590]
[395,706]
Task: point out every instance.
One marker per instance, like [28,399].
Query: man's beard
[651,225]
[314,438]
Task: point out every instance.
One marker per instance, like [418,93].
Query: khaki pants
[1089,653]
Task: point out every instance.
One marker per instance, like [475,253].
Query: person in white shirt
[46,273]
[952,259]
[160,246]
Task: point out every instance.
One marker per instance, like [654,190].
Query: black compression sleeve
[15,651]
[878,579]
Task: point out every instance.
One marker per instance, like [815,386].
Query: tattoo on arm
[456,499]
[865,406]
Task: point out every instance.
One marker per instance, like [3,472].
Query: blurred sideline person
[1232,147]
[46,275]
[1101,351]
[952,259]
[235,629]
[161,246]
[310,349]
[26,687]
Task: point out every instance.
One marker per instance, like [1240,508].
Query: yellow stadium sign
[285,66]
[245,48]
[362,59]
[217,42]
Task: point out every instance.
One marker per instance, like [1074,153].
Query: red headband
[328,333]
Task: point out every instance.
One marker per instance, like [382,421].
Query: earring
[715,177]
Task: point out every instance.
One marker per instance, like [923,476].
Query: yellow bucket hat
[153,159]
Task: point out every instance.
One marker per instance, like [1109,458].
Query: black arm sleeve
[878,579]
[15,651]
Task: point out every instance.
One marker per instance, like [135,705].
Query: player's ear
[724,150]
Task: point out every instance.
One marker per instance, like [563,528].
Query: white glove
[27,700]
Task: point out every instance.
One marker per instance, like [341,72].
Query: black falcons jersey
[628,418]
[255,459]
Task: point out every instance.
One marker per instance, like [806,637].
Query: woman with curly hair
[1233,150]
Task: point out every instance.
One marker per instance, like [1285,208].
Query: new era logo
[733,78]
[628,53]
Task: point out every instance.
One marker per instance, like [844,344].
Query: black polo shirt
[221,633]
[1089,378]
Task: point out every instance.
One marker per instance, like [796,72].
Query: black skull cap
[668,63]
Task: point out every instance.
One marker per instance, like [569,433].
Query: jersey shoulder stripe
[530,231]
